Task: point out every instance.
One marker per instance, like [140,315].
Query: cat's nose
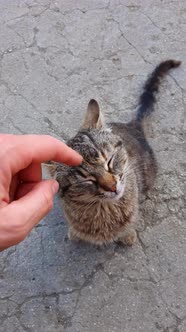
[107,182]
[113,188]
[109,187]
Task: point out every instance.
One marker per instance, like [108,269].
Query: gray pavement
[54,57]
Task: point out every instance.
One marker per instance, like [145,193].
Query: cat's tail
[151,87]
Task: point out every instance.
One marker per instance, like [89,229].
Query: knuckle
[19,231]
[21,236]
[13,226]
[19,227]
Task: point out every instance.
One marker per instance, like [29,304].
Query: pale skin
[24,197]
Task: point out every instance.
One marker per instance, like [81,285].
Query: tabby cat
[100,197]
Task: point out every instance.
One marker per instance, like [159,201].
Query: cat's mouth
[113,195]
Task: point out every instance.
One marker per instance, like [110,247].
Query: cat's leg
[128,236]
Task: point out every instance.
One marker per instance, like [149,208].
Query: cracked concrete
[54,57]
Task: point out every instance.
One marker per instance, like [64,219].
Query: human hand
[24,197]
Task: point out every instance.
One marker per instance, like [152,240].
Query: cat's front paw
[71,235]
[128,237]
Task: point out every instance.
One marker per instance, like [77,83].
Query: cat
[100,198]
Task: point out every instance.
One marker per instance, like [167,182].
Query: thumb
[31,208]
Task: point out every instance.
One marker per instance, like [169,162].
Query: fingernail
[55,187]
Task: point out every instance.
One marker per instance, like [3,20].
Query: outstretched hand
[24,197]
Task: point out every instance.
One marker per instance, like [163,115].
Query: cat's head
[102,175]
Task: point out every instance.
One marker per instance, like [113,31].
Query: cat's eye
[90,180]
[110,163]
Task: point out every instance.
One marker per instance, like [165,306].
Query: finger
[22,215]
[22,150]
[13,187]
[23,182]
[24,188]
[32,173]
[7,196]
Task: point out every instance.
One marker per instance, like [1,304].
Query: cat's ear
[93,118]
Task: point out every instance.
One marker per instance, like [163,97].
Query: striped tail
[151,87]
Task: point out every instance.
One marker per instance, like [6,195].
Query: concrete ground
[54,57]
